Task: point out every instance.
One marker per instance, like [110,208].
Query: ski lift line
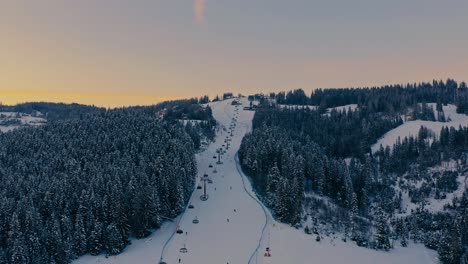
[255,253]
[191,196]
[177,226]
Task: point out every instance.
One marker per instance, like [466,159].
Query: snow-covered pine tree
[16,250]
[113,242]
[79,236]
[382,236]
[273,177]
[95,239]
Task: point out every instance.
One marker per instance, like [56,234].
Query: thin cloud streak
[199,9]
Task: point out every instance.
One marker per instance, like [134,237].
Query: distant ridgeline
[53,111]
[315,169]
[390,98]
[85,184]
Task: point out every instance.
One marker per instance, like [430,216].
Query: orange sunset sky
[116,52]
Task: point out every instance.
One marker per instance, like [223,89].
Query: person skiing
[228,220]
[179,260]
[235,210]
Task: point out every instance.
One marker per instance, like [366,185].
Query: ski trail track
[223,235]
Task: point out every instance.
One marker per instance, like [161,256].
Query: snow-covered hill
[411,128]
[235,228]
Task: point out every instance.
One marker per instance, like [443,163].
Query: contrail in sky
[199,9]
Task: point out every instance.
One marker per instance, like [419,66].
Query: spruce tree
[382,232]
[113,242]
[16,249]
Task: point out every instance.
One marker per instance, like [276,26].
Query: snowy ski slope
[411,128]
[250,228]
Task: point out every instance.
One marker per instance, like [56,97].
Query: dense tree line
[53,111]
[424,150]
[389,98]
[286,164]
[342,134]
[185,109]
[84,185]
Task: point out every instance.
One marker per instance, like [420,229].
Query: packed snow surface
[236,228]
[411,128]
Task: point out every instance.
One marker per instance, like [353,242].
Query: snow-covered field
[411,128]
[342,108]
[233,224]
[25,119]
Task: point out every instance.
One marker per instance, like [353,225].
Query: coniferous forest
[315,169]
[91,178]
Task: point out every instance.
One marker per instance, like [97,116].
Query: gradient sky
[116,52]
